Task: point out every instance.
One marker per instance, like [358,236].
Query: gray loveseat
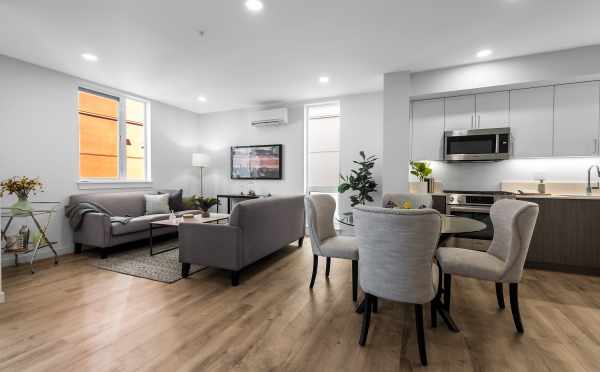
[256,229]
[98,231]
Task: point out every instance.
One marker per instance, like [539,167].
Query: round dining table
[451,225]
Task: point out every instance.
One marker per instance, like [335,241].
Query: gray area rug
[162,267]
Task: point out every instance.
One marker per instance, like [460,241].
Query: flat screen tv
[260,162]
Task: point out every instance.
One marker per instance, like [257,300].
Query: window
[112,137]
[323,148]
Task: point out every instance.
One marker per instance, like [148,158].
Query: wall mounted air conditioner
[269,117]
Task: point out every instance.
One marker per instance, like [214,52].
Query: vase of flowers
[21,187]
[204,204]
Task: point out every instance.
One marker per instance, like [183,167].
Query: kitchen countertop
[595,196]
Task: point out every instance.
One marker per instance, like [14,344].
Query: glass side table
[40,209]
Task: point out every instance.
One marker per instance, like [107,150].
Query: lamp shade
[200,160]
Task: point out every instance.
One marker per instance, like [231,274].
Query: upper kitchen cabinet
[491,110]
[428,129]
[531,121]
[576,119]
[460,112]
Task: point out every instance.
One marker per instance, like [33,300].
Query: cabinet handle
[478,121]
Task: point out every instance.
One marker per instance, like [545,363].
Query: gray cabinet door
[460,113]
[531,122]
[427,129]
[491,110]
[576,119]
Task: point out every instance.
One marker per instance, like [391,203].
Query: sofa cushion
[122,204]
[156,204]
[175,199]
[136,224]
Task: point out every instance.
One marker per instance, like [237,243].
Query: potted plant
[421,170]
[22,187]
[360,180]
[204,204]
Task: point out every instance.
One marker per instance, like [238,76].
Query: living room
[176,190]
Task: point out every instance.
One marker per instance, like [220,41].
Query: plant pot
[22,207]
[418,187]
[205,214]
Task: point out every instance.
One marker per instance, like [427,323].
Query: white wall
[39,134]
[565,65]
[361,129]
[396,131]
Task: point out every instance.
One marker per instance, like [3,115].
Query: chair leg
[235,278]
[354,280]
[375,304]
[447,291]
[500,295]
[300,242]
[421,334]
[327,267]
[185,269]
[513,289]
[78,248]
[314,272]
[366,320]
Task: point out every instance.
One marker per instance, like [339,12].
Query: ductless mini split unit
[271,117]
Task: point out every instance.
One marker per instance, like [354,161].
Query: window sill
[109,184]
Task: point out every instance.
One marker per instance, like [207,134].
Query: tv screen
[261,162]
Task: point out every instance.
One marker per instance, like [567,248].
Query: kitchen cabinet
[491,110]
[460,112]
[576,119]
[427,129]
[531,122]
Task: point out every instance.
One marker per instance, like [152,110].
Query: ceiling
[153,48]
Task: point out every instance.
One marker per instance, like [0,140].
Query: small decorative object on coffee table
[204,204]
[21,187]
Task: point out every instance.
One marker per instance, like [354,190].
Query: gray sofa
[97,230]
[256,229]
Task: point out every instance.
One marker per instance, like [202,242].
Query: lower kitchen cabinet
[566,236]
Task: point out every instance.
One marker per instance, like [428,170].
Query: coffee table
[214,218]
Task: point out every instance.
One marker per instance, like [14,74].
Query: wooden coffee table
[214,218]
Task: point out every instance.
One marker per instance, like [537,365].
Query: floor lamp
[201,161]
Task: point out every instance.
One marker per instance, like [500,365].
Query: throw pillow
[390,204]
[157,204]
[175,199]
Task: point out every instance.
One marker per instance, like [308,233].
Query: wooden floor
[75,317]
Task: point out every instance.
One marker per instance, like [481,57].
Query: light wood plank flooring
[75,317]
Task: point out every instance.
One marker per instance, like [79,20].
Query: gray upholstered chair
[514,222]
[417,200]
[396,249]
[324,240]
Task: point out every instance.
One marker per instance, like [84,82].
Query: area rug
[163,267]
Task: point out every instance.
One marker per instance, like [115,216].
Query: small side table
[40,209]
[236,196]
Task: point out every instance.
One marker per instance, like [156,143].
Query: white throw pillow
[157,204]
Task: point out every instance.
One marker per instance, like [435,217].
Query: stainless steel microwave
[477,144]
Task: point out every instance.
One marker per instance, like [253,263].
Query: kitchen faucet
[589,187]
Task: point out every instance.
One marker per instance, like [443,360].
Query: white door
[576,119]
[531,121]
[428,129]
[491,110]
[460,112]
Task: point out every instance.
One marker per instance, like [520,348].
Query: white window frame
[307,118]
[121,181]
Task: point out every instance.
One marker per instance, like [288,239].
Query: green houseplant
[204,204]
[360,180]
[22,187]
[421,170]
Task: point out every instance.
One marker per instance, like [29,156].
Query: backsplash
[491,175]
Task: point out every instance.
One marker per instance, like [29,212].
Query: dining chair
[416,200]
[396,249]
[325,241]
[514,222]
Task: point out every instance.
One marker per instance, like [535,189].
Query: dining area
[402,252]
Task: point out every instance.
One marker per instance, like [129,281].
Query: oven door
[485,234]
[477,144]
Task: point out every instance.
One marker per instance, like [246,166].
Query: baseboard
[8,259]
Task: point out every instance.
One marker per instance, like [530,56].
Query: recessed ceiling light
[89,57]
[484,53]
[323,79]
[254,5]
[201,99]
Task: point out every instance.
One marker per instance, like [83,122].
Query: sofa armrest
[95,230]
[214,245]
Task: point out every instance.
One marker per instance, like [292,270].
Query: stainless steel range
[476,205]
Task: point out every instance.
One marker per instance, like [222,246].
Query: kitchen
[537,143]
